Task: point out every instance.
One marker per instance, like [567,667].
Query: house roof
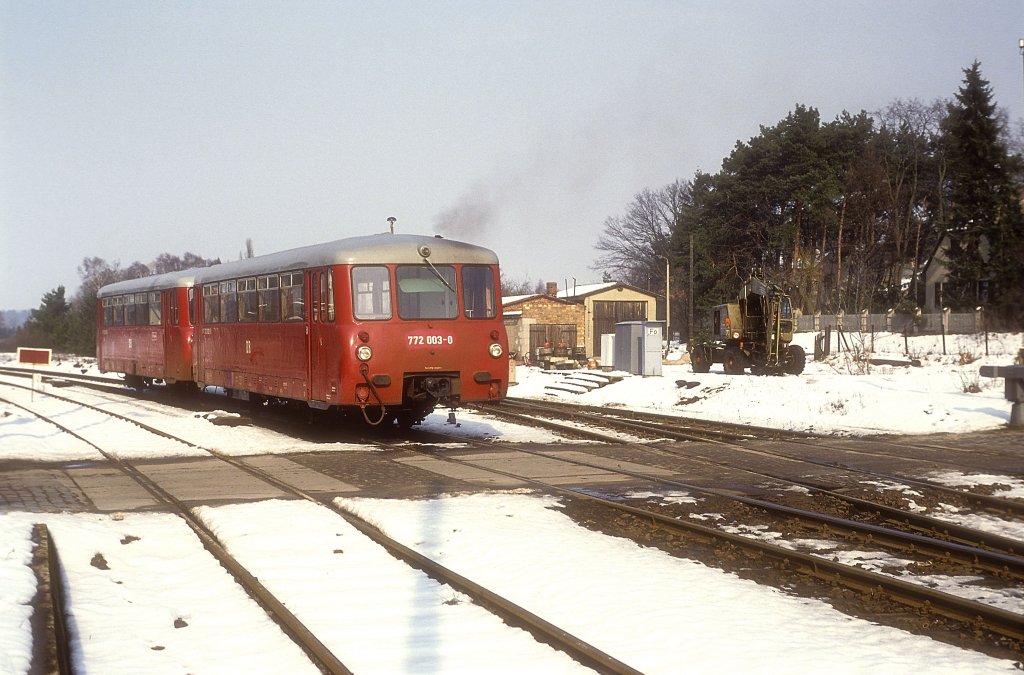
[516,299]
[574,294]
[584,290]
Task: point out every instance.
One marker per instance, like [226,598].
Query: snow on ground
[837,395]
[147,598]
[657,613]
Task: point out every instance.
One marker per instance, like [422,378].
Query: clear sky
[130,129]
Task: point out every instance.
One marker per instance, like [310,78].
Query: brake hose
[364,370]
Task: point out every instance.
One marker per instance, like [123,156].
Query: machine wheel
[795,361]
[700,359]
[734,361]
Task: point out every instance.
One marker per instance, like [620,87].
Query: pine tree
[48,325]
[984,217]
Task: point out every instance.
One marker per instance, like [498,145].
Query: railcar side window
[293,300]
[228,302]
[108,312]
[211,303]
[247,300]
[269,298]
[142,309]
[192,306]
[324,300]
[129,310]
[371,293]
[117,310]
[478,300]
[426,292]
[172,307]
[330,295]
[155,309]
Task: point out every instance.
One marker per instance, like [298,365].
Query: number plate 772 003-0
[431,340]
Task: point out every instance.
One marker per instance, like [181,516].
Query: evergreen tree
[985,224]
[48,325]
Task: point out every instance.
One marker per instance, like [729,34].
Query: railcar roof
[156,282]
[374,249]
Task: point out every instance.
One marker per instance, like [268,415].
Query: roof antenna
[391,222]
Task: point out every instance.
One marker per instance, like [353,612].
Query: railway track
[655,426]
[512,614]
[996,556]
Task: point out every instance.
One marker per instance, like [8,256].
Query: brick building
[575,317]
[538,319]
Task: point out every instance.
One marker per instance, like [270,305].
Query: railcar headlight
[735,336]
[363,352]
[495,350]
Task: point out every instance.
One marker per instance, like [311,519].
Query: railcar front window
[426,292]
[371,293]
[478,292]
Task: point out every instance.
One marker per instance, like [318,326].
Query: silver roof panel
[156,282]
[374,249]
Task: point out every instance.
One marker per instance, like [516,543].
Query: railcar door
[172,334]
[323,348]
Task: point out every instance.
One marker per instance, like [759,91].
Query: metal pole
[668,305]
[689,328]
[1021,45]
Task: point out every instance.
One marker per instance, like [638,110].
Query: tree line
[68,325]
[844,213]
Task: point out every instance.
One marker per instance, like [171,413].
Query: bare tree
[510,287]
[636,245]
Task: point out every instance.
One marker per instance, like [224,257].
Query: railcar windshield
[371,293]
[426,292]
[478,299]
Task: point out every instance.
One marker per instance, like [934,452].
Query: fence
[897,322]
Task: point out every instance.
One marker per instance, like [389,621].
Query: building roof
[516,299]
[584,290]
[575,294]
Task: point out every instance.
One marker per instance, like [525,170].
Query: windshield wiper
[439,276]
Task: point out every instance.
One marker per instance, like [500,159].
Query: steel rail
[55,606]
[512,613]
[1000,621]
[921,522]
[1002,560]
[289,623]
[710,426]
[989,502]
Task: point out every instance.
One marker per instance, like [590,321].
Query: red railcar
[388,326]
[144,328]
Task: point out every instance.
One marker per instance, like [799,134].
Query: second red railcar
[144,328]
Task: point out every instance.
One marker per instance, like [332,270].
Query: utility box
[608,350]
[638,347]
